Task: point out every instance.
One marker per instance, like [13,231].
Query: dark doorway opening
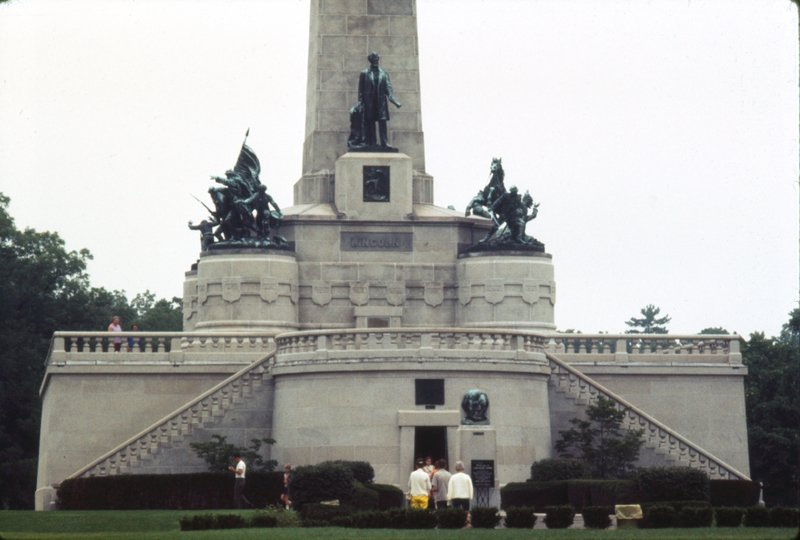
[430,442]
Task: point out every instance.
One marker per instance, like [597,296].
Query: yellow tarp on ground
[628,511]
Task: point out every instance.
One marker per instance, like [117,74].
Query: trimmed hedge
[370,520]
[323,482]
[388,496]
[324,512]
[537,495]
[484,517]
[729,517]
[553,469]
[756,516]
[196,491]
[452,518]
[783,517]
[520,518]
[208,521]
[559,517]
[597,517]
[734,493]
[364,498]
[694,517]
[658,484]
[362,470]
[658,516]
[577,493]
[582,493]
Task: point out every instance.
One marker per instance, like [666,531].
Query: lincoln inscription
[368,241]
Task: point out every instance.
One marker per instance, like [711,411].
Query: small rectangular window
[378,322]
[429,391]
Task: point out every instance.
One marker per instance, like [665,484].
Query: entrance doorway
[430,441]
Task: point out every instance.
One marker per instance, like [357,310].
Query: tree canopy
[650,323]
[46,288]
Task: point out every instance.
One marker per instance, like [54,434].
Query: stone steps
[204,411]
[660,440]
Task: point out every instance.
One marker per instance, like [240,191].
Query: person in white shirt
[239,500]
[419,486]
[459,489]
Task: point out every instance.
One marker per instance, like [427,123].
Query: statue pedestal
[374,186]
[506,289]
[242,290]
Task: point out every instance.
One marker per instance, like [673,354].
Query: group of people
[117,341]
[433,483]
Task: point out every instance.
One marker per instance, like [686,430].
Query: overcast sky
[661,137]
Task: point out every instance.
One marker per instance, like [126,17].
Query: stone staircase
[664,445]
[148,447]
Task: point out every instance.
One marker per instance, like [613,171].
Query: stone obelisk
[342,34]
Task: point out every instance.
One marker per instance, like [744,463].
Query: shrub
[693,517]
[597,517]
[263,520]
[658,516]
[783,517]
[551,469]
[582,493]
[734,493]
[229,521]
[370,520]
[323,512]
[200,522]
[342,521]
[728,517]
[388,496]
[315,523]
[196,491]
[452,518]
[420,519]
[362,471]
[534,494]
[559,517]
[317,483]
[673,484]
[364,498]
[397,517]
[484,517]
[520,518]
[756,516]
[218,454]
[287,518]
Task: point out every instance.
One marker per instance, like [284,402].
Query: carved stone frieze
[269,289]
[396,293]
[321,292]
[231,288]
[359,292]
[495,291]
[434,294]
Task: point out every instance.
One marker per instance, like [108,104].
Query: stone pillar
[242,290]
[342,34]
[509,290]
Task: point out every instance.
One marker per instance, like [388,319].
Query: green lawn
[163,524]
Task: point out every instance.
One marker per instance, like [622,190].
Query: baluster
[73,345]
[148,344]
[582,347]
[161,345]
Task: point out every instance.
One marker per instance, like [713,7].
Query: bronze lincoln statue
[374,92]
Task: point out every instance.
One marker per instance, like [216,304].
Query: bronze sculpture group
[244,213]
[506,208]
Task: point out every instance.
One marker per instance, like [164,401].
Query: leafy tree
[714,330]
[650,323]
[600,441]
[44,288]
[218,454]
[772,397]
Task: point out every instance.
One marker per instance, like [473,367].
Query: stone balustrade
[75,348]
[658,437]
[450,343]
[692,348]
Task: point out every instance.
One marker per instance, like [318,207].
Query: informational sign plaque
[483,473]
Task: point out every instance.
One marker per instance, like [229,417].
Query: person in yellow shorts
[419,486]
